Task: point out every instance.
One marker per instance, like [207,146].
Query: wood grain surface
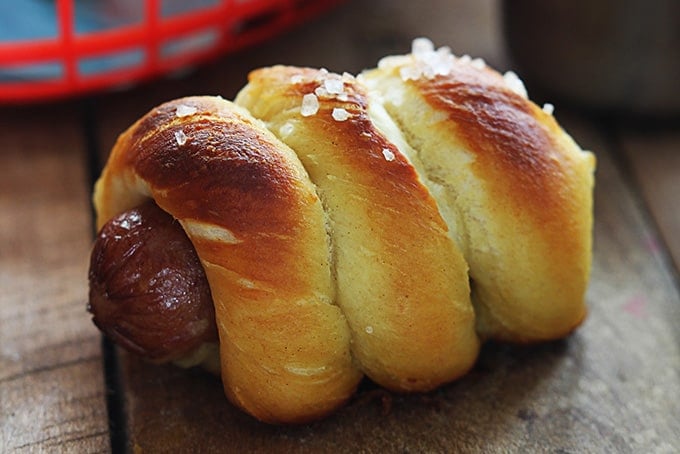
[655,163]
[51,382]
[613,386]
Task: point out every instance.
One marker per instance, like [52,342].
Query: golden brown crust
[402,282]
[346,249]
[258,227]
[498,127]
[512,148]
[515,187]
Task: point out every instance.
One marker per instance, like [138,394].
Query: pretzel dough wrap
[402,281]
[384,224]
[257,225]
[515,187]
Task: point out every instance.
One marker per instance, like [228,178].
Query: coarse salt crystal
[340,114]
[478,63]
[429,71]
[444,51]
[310,105]
[387,153]
[369,330]
[321,92]
[286,129]
[426,61]
[334,86]
[514,83]
[548,108]
[184,110]
[180,137]
[389,61]
[421,47]
[321,75]
[409,73]
[342,96]
[441,63]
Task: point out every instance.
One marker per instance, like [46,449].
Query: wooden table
[613,386]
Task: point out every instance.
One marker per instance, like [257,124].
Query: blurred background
[617,56]
[620,57]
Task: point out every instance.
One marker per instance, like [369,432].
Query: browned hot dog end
[148,290]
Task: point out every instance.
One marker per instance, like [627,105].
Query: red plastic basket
[158,41]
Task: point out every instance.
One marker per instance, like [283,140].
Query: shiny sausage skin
[148,290]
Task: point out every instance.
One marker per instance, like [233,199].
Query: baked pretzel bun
[258,227]
[383,225]
[401,279]
[512,185]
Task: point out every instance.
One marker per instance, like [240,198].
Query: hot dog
[148,291]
